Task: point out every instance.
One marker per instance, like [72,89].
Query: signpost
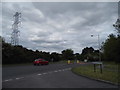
[98,63]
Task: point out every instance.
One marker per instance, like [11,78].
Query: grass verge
[107,75]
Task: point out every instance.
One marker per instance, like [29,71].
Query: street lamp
[117,23]
[98,45]
[100,63]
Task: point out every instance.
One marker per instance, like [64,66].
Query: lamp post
[98,45]
[100,63]
[117,23]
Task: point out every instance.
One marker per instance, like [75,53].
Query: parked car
[40,62]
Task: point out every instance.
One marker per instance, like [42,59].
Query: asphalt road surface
[47,76]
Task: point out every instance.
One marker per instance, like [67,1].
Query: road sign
[97,63]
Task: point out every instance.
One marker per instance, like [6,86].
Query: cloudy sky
[56,26]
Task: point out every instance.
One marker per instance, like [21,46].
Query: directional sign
[97,62]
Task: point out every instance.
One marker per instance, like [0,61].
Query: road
[47,76]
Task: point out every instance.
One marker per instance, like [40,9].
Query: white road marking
[59,70]
[7,80]
[44,73]
[19,78]
[39,74]
[12,79]
[55,71]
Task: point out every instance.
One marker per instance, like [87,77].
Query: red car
[40,62]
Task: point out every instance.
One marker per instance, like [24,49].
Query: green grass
[88,71]
[109,62]
[111,65]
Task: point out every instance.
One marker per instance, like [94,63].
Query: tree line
[110,51]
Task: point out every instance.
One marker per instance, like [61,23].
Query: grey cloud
[57,26]
[63,7]
[93,13]
[46,41]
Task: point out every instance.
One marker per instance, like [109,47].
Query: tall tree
[55,56]
[77,56]
[112,48]
[90,54]
[68,54]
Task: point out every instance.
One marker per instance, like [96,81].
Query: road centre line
[39,74]
[55,71]
[19,78]
[7,80]
[12,79]
[59,70]
[44,73]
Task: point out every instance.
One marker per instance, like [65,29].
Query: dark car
[40,62]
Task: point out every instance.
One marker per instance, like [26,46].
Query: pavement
[47,76]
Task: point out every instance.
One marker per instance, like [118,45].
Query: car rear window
[40,60]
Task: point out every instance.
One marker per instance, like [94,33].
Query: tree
[87,50]
[117,26]
[77,56]
[112,48]
[19,54]
[55,57]
[68,54]
[90,54]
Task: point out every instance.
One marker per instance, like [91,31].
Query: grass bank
[107,75]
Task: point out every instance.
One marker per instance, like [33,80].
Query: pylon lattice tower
[15,27]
